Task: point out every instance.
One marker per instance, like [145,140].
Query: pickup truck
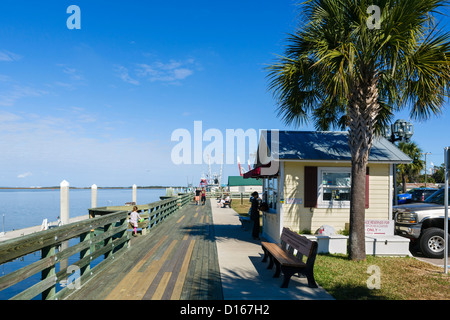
[423,223]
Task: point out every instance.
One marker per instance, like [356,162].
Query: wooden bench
[288,257]
[227,203]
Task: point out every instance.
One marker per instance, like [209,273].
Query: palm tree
[345,71]
[412,150]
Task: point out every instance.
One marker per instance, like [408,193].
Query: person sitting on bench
[227,202]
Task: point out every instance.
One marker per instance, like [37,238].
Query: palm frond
[333,52]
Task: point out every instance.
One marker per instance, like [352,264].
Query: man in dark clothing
[197,195]
[203,196]
[254,215]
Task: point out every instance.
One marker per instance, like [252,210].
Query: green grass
[243,208]
[401,278]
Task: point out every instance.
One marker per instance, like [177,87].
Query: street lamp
[401,130]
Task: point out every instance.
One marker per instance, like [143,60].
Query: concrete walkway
[243,274]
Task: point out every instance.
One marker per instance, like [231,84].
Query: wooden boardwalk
[176,260]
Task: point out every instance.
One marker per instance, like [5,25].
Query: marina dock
[177,260]
[193,253]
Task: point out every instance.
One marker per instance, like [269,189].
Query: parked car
[421,194]
[423,223]
[415,195]
[403,198]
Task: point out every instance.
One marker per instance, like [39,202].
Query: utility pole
[426,153]
[446,170]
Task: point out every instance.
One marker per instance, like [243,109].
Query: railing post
[65,219]
[124,233]
[49,274]
[86,252]
[108,241]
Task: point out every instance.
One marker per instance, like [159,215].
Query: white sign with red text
[379,227]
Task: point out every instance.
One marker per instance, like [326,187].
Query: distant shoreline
[57,187]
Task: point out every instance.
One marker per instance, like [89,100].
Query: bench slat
[296,241]
[282,256]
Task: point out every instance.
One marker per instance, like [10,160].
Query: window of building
[271,192]
[334,184]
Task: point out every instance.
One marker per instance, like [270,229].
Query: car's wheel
[432,243]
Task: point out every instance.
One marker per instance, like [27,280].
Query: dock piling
[94,196]
[64,191]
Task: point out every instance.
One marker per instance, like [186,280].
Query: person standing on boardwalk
[254,215]
[203,196]
[134,218]
[197,195]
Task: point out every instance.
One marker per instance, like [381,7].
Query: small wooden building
[307,180]
[239,184]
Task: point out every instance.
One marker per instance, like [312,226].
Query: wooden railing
[105,233]
[152,213]
[233,195]
[184,198]
[55,251]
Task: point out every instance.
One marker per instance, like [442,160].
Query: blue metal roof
[330,146]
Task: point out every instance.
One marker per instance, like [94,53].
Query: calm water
[28,208]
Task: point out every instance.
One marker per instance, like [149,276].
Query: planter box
[380,245]
[387,245]
[330,244]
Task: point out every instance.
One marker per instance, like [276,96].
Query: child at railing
[134,218]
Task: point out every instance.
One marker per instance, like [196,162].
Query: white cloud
[8,117]
[9,56]
[123,74]
[165,72]
[82,116]
[24,175]
[73,73]
[65,85]
[17,92]
[182,73]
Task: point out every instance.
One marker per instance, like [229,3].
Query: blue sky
[99,104]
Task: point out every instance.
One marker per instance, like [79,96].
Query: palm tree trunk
[357,243]
[363,109]
[404,182]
